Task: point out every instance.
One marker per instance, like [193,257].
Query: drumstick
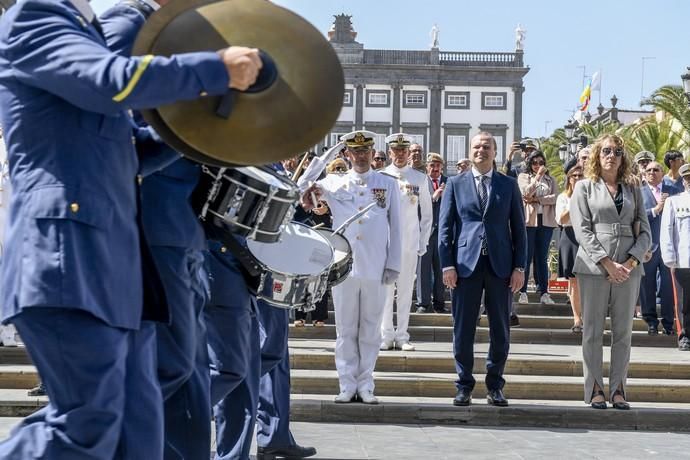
[340,230]
[318,226]
[299,168]
[314,201]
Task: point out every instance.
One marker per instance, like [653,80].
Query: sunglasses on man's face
[618,151]
[379,159]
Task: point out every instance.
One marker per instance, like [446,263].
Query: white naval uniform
[674,239]
[415,232]
[375,242]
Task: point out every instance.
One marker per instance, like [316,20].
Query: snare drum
[342,256]
[296,267]
[251,202]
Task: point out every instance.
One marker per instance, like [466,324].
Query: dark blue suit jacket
[650,203]
[436,205]
[461,225]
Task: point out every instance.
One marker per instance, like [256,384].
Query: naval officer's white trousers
[404,286]
[358,309]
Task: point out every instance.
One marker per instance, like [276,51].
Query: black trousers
[682,276]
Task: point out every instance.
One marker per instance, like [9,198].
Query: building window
[380,142]
[335,138]
[417,139]
[377,99]
[457,100]
[500,157]
[494,101]
[414,100]
[347,98]
[455,149]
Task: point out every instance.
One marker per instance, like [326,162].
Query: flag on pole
[585,96]
[596,81]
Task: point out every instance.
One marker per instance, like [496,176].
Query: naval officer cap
[684,170]
[358,139]
[644,155]
[399,141]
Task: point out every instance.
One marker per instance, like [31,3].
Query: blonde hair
[568,187]
[593,167]
[338,162]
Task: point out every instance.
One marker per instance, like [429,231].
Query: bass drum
[295,268]
[342,256]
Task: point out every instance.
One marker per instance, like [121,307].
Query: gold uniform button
[359,237]
[74,207]
[140,179]
[134,140]
[360,208]
[360,221]
[223,249]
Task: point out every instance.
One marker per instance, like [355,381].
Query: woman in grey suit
[611,226]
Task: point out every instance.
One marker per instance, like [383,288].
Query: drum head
[341,247]
[267,176]
[300,251]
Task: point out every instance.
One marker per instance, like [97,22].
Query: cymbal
[297,109]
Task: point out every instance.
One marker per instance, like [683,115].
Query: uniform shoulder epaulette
[386,173]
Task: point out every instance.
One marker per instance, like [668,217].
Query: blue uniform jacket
[650,203]
[461,225]
[72,238]
[168,217]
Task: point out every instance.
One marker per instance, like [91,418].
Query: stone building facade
[442,98]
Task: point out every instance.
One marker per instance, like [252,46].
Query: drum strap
[145,9]
[251,270]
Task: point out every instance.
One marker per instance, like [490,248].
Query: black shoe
[598,404]
[441,309]
[652,329]
[514,320]
[496,398]
[296,451]
[684,344]
[620,405]
[423,309]
[463,398]
[38,390]
[669,331]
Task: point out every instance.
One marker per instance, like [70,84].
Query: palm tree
[657,136]
[671,100]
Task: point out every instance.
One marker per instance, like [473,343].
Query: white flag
[596,81]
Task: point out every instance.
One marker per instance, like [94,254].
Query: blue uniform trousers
[101,381]
[648,289]
[273,420]
[182,354]
[497,301]
[234,350]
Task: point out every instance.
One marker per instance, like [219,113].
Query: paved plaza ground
[359,442]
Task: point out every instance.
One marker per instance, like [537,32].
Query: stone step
[16,403]
[517,386]
[517,335]
[520,413]
[532,321]
[425,362]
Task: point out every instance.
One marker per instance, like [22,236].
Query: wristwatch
[634,262]
[519,269]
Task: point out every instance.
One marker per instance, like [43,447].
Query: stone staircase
[543,377]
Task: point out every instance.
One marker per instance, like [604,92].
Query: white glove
[421,252]
[390,276]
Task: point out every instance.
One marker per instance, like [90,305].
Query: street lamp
[563,153]
[570,128]
[574,142]
[686,84]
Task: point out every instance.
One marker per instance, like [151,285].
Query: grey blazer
[601,232]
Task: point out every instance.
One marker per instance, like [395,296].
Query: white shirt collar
[477,174]
[357,175]
[84,9]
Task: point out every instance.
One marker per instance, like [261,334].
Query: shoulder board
[386,173]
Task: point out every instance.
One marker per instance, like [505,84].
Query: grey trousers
[596,296]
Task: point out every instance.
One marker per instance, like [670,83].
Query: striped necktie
[483,193]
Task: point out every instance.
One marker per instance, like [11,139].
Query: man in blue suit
[655,191]
[483,249]
[72,270]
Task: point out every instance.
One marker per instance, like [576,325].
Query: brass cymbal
[288,117]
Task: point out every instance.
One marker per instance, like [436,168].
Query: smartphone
[522,146]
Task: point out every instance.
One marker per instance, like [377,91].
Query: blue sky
[606,35]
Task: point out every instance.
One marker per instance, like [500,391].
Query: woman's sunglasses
[618,151]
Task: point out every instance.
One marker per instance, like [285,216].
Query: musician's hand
[306,198]
[450,278]
[390,276]
[321,209]
[243,65]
